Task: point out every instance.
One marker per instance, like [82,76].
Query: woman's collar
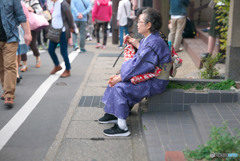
[147,37]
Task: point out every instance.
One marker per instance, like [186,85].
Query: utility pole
[163,7]
[114,22]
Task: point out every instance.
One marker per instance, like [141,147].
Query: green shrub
[221,141]
[224,85]
[209,70]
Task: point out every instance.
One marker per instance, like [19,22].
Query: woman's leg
[45,31]
[39,38]
[126,30]
[34,48]
[121,35]
[24,60]
[52,53]
[64,51]
[97,31]
[104,28]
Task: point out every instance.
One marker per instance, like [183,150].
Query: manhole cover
[61,84]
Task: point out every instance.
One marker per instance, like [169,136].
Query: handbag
[37,21]
[47,15]
[54,34]
[129,20]
[46,12]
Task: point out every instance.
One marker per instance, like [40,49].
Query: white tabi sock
[122,124]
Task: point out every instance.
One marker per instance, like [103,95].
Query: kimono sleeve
[139,64]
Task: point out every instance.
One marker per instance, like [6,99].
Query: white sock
[122,124]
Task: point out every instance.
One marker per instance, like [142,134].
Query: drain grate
[91,101]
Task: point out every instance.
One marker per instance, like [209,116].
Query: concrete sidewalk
[81,137]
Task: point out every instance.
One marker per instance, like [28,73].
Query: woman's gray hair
[154,17]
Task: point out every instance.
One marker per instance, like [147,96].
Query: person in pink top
[101,15]
[22,47]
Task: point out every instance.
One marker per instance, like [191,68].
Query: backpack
[189,30]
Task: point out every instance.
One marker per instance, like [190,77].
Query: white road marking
[17,120]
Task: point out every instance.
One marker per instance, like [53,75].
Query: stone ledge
[180,100]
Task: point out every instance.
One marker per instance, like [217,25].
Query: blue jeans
[82,31]
[121,29]
[63,49]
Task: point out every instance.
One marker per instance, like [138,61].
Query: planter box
[180,100]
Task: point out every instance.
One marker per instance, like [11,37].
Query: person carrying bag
[129,20]
[35,10]
[59,32]
[123,14]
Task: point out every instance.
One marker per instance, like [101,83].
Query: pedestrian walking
[44,31]
[11,14]
[124,12]
[80,10]
[33,6]
[22,47]
[101,15]
[61,19]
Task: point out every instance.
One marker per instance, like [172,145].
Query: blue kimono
[152,51]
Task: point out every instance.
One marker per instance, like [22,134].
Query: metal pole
[163,7]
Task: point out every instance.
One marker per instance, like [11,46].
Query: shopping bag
[37,22]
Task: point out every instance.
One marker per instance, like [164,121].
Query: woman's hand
[114,80]
[133,41]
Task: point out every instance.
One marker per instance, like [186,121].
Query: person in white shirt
[124,11]
[61,19]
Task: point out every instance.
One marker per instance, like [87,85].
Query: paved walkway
[81,137]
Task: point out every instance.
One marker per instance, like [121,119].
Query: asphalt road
[41,104]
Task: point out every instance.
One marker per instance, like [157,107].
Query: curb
[53,149]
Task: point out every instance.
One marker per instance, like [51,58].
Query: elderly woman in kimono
[121,94]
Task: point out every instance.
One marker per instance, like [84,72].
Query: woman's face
[143,28]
